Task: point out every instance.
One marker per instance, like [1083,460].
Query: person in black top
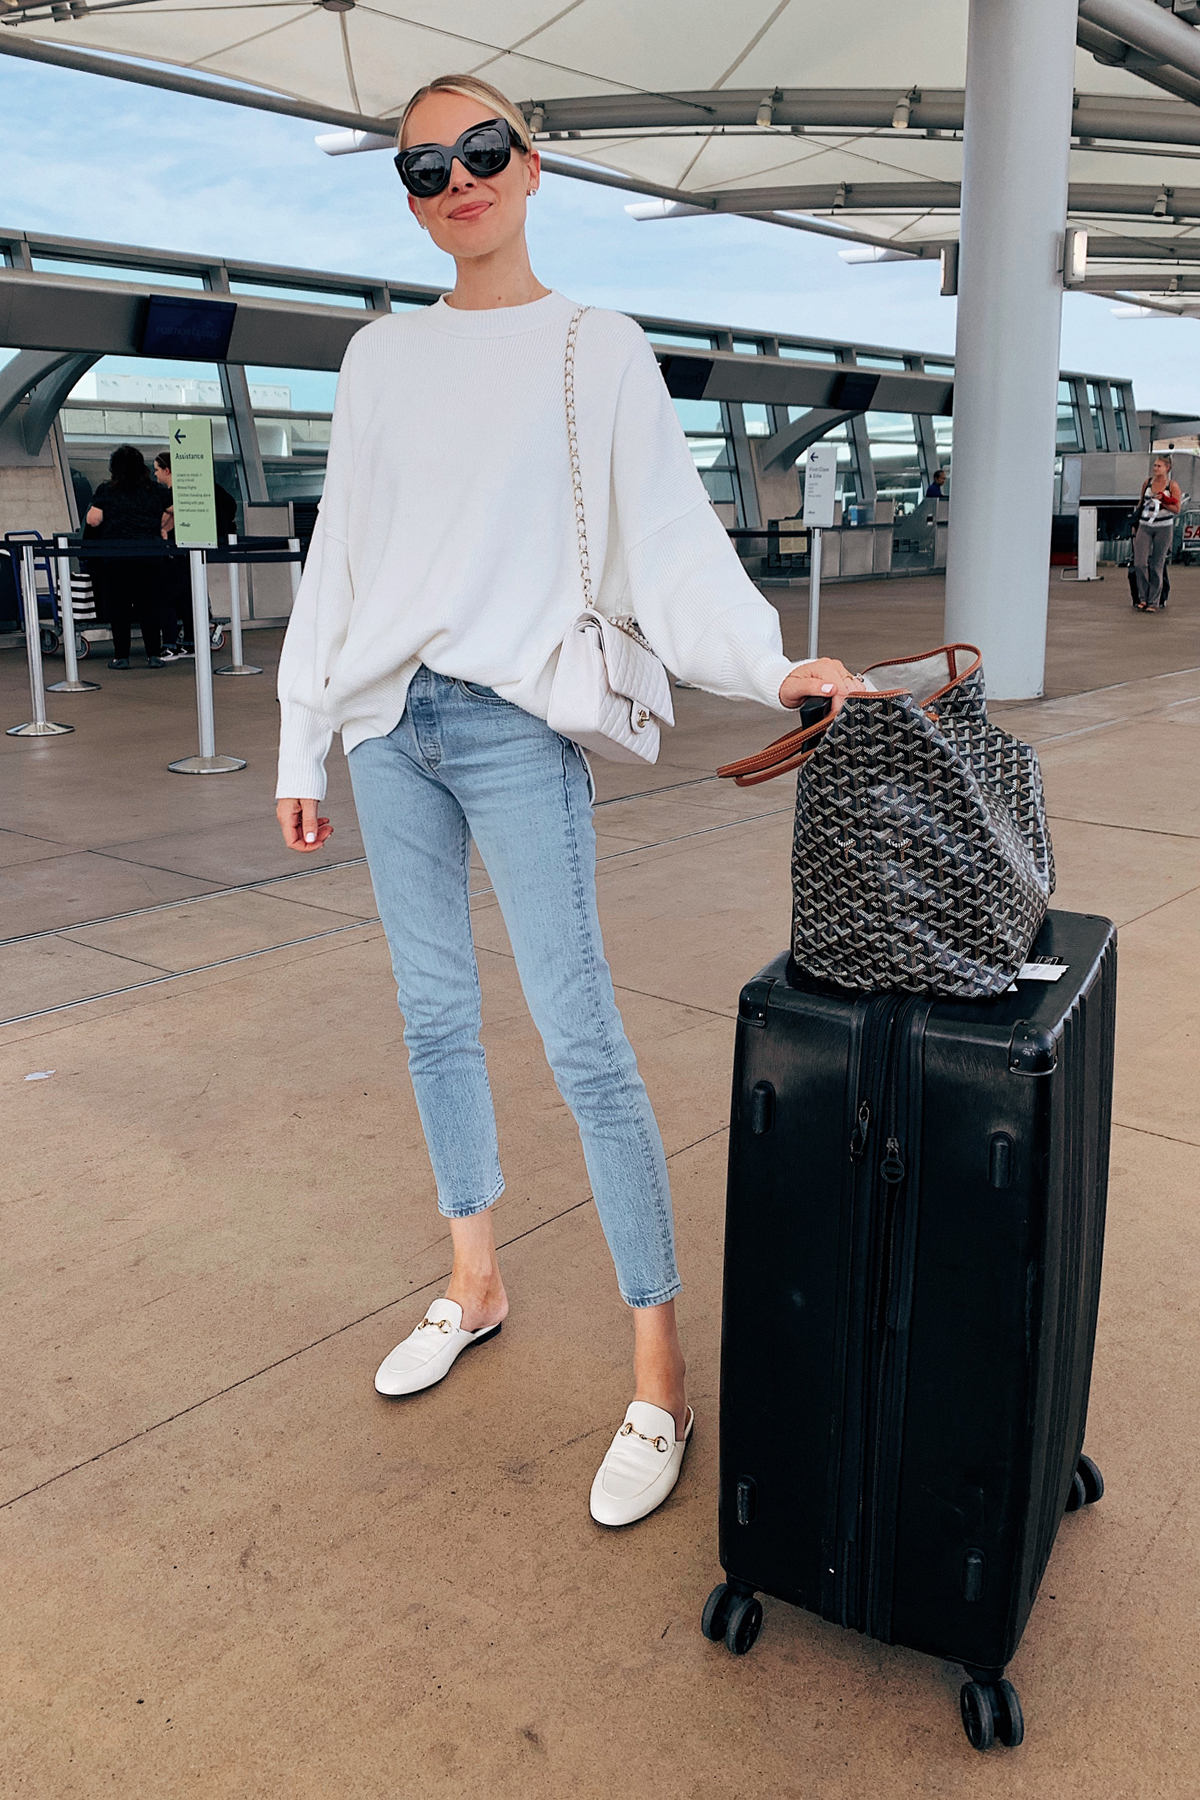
[81,487]
[179,585]
[128,506]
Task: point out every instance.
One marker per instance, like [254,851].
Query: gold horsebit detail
[437,1324]
[660,1443]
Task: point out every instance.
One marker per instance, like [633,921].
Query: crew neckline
[495,321]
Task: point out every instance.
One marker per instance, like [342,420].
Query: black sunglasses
[482,150]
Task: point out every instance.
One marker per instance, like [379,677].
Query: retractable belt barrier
[238,666]
[39,726]
[264,550]
[66,606]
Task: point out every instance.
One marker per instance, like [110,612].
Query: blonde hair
[471,88]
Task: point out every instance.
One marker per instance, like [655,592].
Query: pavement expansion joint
[223,962]
[1166,1136]
[326,1337]
[1110,825]
[137,912]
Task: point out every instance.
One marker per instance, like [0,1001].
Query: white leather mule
[429,1352]
[641,1467]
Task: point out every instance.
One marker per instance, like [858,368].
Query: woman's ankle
[659,1369]
[482,1296]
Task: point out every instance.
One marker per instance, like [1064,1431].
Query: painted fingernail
[310,837]
[827,687]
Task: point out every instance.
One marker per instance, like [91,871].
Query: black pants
[128,591]
[177,600]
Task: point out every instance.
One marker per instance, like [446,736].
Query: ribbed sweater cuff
[773,673]
[304,740]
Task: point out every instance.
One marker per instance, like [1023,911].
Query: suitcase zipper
[880,1276]
[847,1564]
[858,1137]
[897,1240]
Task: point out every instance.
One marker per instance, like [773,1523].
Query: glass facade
[688,340]
[1096,413]
[706,425]
[896,460]
[809,353]
[1068,436]
[311,296]
[891,455]
[55,265]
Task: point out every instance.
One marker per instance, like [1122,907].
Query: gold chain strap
[626,623]
[585,571]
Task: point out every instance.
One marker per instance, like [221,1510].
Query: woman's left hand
[826,676]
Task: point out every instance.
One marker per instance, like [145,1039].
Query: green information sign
[192,493]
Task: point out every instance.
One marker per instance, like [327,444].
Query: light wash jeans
[464,763]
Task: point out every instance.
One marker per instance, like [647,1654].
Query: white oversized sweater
[446,535]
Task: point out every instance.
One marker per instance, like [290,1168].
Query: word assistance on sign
[192,490]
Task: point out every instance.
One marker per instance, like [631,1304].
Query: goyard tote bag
[921,860]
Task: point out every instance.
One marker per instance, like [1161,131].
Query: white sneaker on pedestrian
[641,1467]
[429,1352]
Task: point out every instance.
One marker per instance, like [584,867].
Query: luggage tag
[1042,968]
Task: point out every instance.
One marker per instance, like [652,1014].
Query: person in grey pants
[1158,510]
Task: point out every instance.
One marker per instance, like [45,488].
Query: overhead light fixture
[346,143]
[664,209]
[839,198]
[766,110]
[536,120]
[338,5]
[900,115]
[1075,256]
[74,9]
[1160,204]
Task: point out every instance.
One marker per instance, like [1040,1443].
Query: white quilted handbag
[610,693]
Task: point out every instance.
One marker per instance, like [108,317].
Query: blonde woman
[442,578]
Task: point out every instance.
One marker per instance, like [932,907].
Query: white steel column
[1016,143]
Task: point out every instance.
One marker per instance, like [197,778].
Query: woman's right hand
[825,676]
[302,829]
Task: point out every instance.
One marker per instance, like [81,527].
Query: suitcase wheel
[715,1616]
[1087,1485]
[743,1624]
[735,1618]
[991,1711]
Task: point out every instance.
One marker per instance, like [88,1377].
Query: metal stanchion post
[208,762]
[66,607]
[39,725]
[238,666]
[814,589]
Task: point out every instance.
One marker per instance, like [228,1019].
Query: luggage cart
[49,617]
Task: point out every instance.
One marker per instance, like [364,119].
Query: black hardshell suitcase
[914,1228]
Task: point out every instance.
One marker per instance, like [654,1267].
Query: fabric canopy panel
[850,115]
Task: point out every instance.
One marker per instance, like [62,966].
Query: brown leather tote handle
[789,751]
[786,753]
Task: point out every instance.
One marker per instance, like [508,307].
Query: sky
[83,156]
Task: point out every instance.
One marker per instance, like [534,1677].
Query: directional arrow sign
[192,492]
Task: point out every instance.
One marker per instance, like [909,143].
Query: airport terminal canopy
[848,117]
